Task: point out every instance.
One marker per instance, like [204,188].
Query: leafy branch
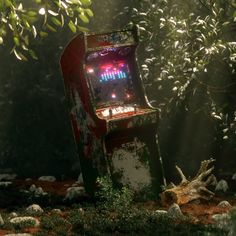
[23,22]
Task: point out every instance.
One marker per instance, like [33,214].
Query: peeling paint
[128,163]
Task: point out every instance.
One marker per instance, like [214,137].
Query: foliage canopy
[22,21]
[189,48]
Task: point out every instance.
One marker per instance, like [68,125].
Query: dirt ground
[200,212]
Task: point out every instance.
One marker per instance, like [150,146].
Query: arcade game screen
[111,83]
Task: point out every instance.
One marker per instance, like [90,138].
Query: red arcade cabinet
[113,123]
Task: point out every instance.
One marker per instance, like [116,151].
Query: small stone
[32,188]
[175,212]
[80,179]
[222,185]
[47,178]
[224,204]
[219,217]
[234,176]
[5,183]
[56,211]
[7,177]
[1,220]
[24,219]
[39,191]
[74,192]
[34,208]
[24,234]
[222,220]
[13,215]
[161,212]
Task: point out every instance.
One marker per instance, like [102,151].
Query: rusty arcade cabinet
[114,125]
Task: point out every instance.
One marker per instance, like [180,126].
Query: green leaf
[31,13]
[84,18]
[8,3]
[34,31]
[62,20]
[83,29]
[43,34]
[86,3]
[26,23]
[72,26]
[20,7]
[1,40]
[53,13]
[51,28]
[76,2]
[89,12]
[26,39]
[79,9]
[16,41]
[55,21]
[33,55]
[24,47]
[19,55]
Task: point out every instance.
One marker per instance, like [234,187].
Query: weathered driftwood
[195,189]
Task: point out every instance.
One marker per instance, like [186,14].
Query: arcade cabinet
[114,126]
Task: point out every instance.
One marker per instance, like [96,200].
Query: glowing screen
[111,82]
[111,72]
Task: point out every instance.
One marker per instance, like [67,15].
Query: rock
[222,220]
[5,183]
[56,211]
[28,179]
[1,220]
[47,178]
[161,212]
[23,234]
[37,191]
[74,192]
[80,179]
[34,208]
[175,212]
[81,210]
[234,176]
[32,188]
[7,176]
[25,219]
[222,185]
[12,215]
[224,204]
[220,217]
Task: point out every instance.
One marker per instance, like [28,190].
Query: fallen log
[188,191]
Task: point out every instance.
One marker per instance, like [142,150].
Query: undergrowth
[116,213]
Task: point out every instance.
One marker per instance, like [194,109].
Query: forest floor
[199,212]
